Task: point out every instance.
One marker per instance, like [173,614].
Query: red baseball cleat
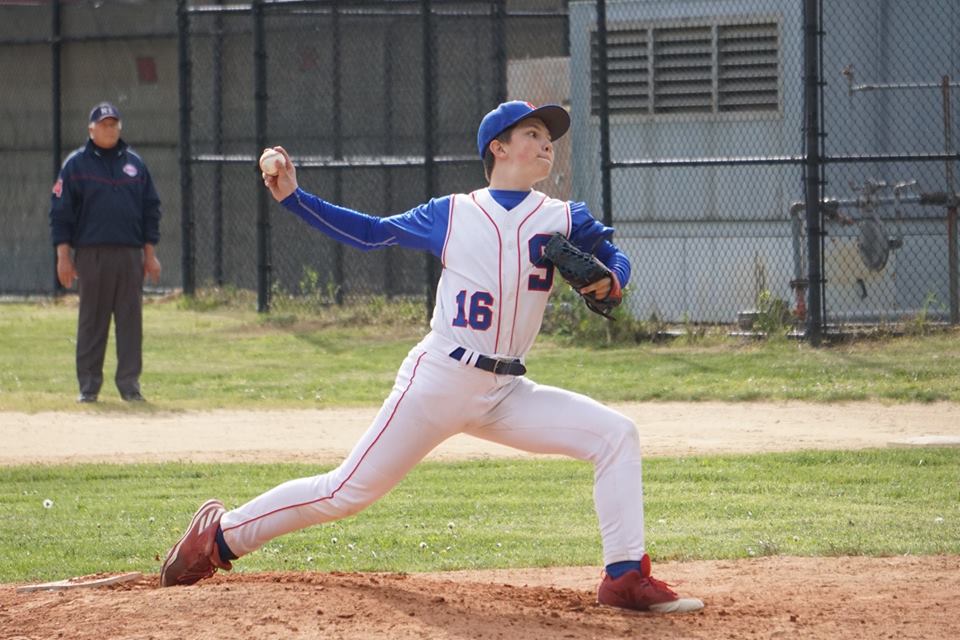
[639,591]
[196,556]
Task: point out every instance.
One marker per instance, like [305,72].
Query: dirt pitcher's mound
[902,597]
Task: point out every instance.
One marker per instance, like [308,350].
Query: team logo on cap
[130,170]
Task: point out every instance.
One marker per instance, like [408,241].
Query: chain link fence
[700,131]
[705,106]
[377,102]
[707,115]
[57,60]
[891,95]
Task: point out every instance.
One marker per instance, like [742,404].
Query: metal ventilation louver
[747,67]
[628,72]
[689,69]
[683,70]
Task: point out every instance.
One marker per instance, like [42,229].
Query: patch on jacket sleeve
[58,187]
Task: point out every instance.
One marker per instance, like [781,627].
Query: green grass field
[478,514]
[230,358]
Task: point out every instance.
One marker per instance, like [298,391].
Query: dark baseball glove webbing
[580,269]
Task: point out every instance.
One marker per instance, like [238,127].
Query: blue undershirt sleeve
[423,228]
[616,260]
[590,235]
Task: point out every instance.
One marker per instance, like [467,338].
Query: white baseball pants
[435,397]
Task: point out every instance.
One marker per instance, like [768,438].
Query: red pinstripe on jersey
[520,249]
[496,344]
[443,254]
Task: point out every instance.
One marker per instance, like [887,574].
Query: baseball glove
[580,269]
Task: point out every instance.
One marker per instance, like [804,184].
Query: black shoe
[87,397]
[133,397]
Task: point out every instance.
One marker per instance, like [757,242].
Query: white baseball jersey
[493,289]
[490,302]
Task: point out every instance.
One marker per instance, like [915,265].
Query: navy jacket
[104,197]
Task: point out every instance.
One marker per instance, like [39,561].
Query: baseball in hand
[271,161]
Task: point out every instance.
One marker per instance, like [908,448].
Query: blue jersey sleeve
[590,235]
[423,228]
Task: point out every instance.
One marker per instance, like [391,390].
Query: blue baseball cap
[510,113]
[102,111]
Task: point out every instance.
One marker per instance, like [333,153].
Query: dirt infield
[113,434]
[772,597]
[779,597]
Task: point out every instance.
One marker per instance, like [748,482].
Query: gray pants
[111,284]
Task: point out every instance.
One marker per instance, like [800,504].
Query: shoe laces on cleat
[660,585]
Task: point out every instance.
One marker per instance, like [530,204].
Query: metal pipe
[831,206]
[217,204]
[604,114]
[187,263]
[351,162]
[952,258]
[390,266]
[326,162]
[110,37]
[628,163]
[263,212]
[500,48]
[444,12]
[429,131]
[339,273]
[812,168]
[56,121]
[852,88]
[822,177]
[900,85]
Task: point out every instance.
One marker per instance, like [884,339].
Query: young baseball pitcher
[467,374]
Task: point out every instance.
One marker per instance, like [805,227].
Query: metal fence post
[813,167]
[217,204]
[429,131]
[390,279]
[605,164]
[56,122]
[952,260]
[187,262]
[338,249]
[500,47]
[263,205]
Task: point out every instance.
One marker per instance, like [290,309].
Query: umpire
[106,210]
